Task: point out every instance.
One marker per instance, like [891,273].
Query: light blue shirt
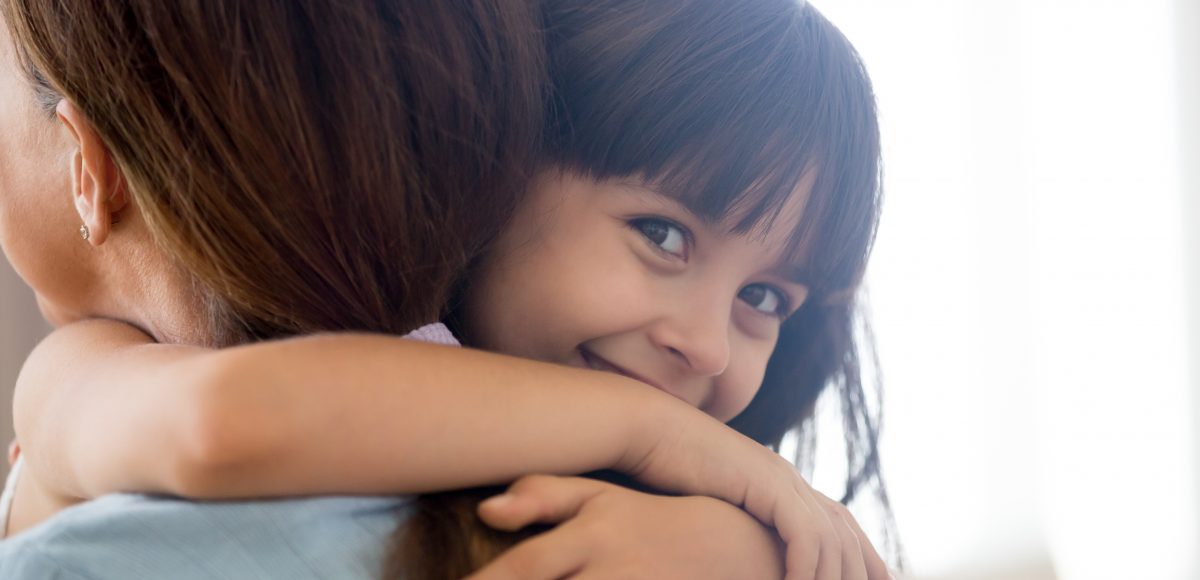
[139,537]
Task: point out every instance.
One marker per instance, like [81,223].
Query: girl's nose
[697,334]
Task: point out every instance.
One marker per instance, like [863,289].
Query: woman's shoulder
[128,536]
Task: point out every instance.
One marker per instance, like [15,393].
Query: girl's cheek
[758,328]
[735,389]
[754,372]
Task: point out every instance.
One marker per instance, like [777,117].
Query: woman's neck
[139,284]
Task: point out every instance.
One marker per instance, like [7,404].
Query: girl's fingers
[853,565]
[876,568]
[803,543]
[544,499]
[814,548]
[547,556]
[830,565]
[14,451]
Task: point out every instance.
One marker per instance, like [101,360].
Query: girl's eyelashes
[674,240]
[767,300]
[666,235]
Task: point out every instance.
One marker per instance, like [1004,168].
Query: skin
[587,545]
[616,277]
[56,173]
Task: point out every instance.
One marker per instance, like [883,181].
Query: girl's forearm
[100,409]
[374,414]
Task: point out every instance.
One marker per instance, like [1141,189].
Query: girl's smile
[595,362]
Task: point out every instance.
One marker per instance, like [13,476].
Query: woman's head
[312,165]
[743,133]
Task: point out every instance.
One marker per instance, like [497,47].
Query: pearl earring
[84,232]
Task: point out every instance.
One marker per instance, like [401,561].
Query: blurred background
[1035,288]
[21,326]
[1035,283]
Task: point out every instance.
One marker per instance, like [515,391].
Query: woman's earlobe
[96,182]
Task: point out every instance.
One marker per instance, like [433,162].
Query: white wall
[1029,283]
[1187,38]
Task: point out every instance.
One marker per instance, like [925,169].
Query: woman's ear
[96,182]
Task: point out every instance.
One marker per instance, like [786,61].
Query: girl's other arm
[99,408]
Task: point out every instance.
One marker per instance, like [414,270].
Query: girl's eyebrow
[794,273]
[668,201]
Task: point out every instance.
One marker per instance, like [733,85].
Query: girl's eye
[765,299]
[665,235]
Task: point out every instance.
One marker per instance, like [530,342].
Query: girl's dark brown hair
[726,106]
[316,165]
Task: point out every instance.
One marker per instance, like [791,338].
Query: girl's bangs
[734,128]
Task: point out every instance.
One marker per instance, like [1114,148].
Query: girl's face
[616,277]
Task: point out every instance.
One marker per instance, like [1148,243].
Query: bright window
[1028,285]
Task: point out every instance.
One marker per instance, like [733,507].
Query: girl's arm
[99,408]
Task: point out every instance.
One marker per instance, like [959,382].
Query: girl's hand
[691,453]
[609,531]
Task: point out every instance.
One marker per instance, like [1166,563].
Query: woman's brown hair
[315,165]
[727,106]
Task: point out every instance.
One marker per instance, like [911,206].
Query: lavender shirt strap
[436,333]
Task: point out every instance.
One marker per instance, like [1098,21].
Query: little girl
[701,223]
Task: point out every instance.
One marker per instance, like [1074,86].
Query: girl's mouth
[598,363]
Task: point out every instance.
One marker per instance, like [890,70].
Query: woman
[218,172]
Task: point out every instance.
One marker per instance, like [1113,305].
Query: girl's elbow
[224,432]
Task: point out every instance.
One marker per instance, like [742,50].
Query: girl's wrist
[656,422]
